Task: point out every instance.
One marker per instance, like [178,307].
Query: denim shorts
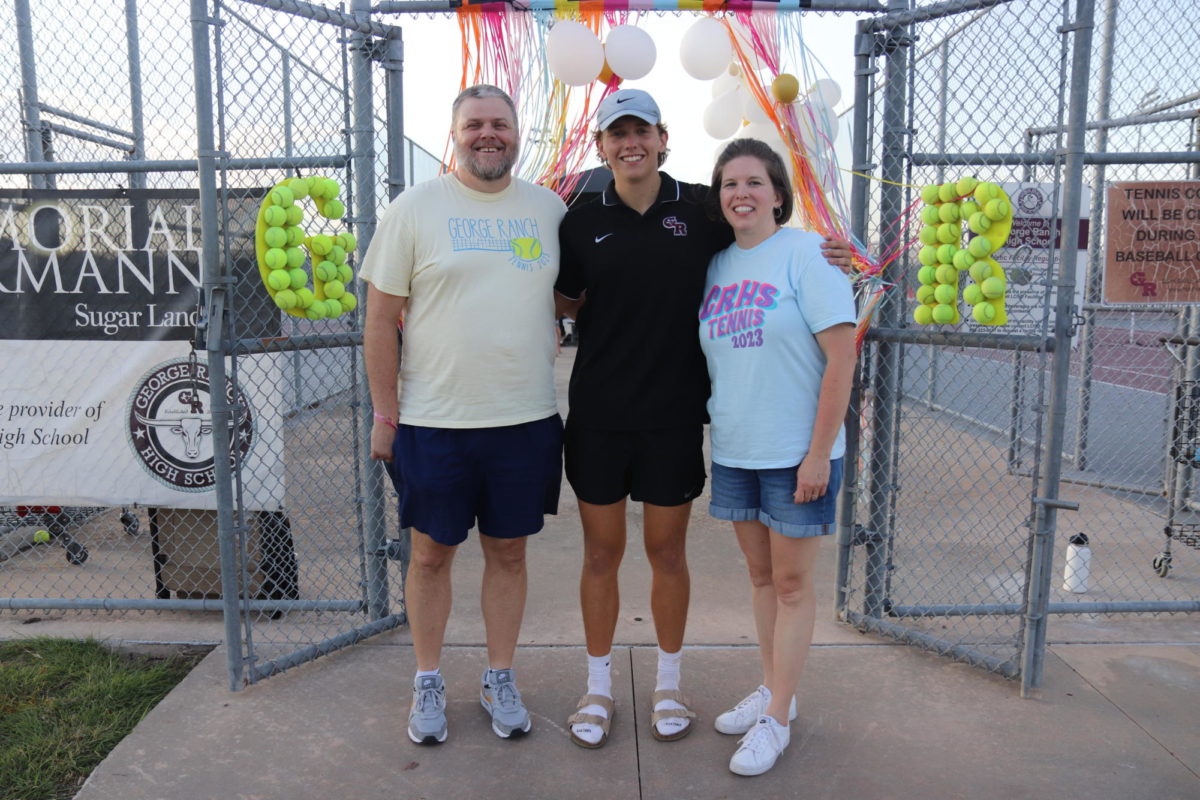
[765,495]
[506,479]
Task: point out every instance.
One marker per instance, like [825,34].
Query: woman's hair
[598,136]
[776,171]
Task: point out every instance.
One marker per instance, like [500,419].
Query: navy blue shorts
[505,479]
[767,495]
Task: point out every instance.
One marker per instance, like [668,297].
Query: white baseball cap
[627,103]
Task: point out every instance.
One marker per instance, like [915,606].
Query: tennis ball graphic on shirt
[527,248]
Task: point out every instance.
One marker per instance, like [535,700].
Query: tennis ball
[281,196]
[923,315]
[337,255]
[980,271]
[963,259]
[295,235]
[329,188]
[344,273]
[965,186]
[785,87]
[304,297]
[926,275]
[946,273]
[334,209]
[997,209]
[295,257]
[983,312]
[41,537]
[349,242]
[315,310]
[325,271]
[967,209]
[334,290]
[945,253]
[295,215]
[972,295]
[928,235]
[979,222]
[348,301]
[279,279]
[929,194]
[947,192]
[980,246]
[320,244]
[949,233]
[275,258]
[929,215]
[928,255]
[274,216]
[925,294]
[948,212]
[299,278]
[299,187]
[275,236]
[285,299]
[943,314]
[985,192]
[993,288]
[945,294]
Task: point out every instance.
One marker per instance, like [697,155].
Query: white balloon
[705,50]
[827,91]
[574,53]
[630,52]
[723,116]
[753,112]
[763,131]
[725,83]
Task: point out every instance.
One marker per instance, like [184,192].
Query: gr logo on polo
[169,425]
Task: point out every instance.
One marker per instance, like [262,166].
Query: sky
[432,74]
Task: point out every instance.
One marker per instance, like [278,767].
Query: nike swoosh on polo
[600,239]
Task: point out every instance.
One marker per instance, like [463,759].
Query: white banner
[100,404]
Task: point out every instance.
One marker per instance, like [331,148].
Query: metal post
[393,66]
[887,371]
[1045,515]
[29,93]
[1095,268]
[864,68]
[137,180]
[217,292]
[934,354]
[363,160]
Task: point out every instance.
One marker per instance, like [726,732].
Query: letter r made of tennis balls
[283,249]
[988,213]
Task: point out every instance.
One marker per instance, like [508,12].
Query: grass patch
[64,704]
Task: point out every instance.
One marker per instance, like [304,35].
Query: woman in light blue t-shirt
[777,330]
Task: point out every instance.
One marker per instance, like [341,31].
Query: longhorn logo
[170,427]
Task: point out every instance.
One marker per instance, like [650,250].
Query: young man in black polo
[632,270]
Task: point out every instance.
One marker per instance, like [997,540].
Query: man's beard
[474,165]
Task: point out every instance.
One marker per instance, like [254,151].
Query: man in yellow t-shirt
[467,418]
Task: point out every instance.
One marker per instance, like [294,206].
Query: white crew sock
[425,673]
[668,679]
[599,682]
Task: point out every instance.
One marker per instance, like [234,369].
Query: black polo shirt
[639,364]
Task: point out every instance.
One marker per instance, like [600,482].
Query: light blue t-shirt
[761,311]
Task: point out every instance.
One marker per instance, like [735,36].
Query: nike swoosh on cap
[623,99]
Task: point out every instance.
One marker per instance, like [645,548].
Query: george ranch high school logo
[169,422]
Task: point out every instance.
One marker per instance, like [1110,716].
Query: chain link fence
[120,323]
[958,541]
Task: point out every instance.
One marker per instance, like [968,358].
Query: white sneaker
[742,717]
[760,747]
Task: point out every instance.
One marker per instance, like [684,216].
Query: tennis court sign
[102,400]
[1153,235]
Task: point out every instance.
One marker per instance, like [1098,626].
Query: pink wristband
[386,420]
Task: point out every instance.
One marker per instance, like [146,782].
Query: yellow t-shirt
[478,270]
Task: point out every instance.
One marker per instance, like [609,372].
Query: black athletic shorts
[663,467]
